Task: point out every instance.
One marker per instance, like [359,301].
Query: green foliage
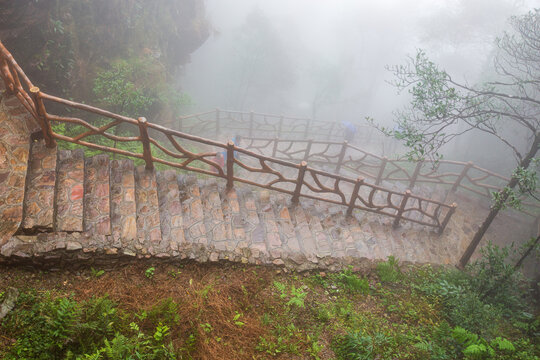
[478,298]
[389,271]
[527,180]
[136,347]
[48,328]
[123,87]
[296,296]
[351,282]
[474,347]
[149,273]
[97,273]
[469,311]
[358,346]
[166,312]
[440,346]
[42,327]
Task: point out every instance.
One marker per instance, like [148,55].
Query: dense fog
[326,59]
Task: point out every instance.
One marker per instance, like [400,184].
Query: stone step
[97,211]
[362,241]
[268,219]
[332,224]
[382,233]
[303,232]
[255,231]
[15,146]
[193,212]
[148,221]
[324,245]
[217,232]
[348,244]
[170,210]
[291,245]
[38,210]
[123,205]
[232,215]
[70,191]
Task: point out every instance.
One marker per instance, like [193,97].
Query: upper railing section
[350,160]
[156,144]
[249,124]
[321,143]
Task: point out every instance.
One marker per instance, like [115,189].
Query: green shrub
[478,298]
[42,327]
[46,328]
[351,282]
[166,312]
[496,281]
[468,311]
[357,346]
[389,271]
[136,347]
[99,319]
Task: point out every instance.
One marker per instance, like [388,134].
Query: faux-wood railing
[318,142]
[348,159]
[171,147]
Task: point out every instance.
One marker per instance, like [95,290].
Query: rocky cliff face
[61,44]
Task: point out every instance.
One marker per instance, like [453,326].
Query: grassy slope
[226,311]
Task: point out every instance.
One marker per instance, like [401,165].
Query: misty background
[326,60]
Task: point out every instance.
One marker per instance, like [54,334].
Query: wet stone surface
[109,212]
[70,191]
[14,152]
[40,187]
[97,214]
[123,206]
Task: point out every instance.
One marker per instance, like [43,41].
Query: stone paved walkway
[15,126]
[96,210]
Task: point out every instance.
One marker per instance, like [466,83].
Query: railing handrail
[432,176]
[476,186]
[335,130]
[397,205]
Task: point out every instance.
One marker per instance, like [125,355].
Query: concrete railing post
[299,183]
[341,156]
[230,165]
[381,170]
[401,208]
[354,195]
[42,117]
[461,176]
[145,139]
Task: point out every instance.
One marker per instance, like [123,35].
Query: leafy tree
[443,108]
[117,88]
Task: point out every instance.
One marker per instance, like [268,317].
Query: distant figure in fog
[349,131]
[236,140]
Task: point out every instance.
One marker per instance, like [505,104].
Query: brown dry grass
[205,294]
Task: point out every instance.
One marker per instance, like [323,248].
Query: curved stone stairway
[58,206]
[77,208]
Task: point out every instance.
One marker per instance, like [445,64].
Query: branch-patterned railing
[321,143]
[348,159]
[162,145]
[248,124]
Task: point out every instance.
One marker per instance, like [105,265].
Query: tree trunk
[495,209]
[524,256]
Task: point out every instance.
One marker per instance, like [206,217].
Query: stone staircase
[78,207]
[58,206]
